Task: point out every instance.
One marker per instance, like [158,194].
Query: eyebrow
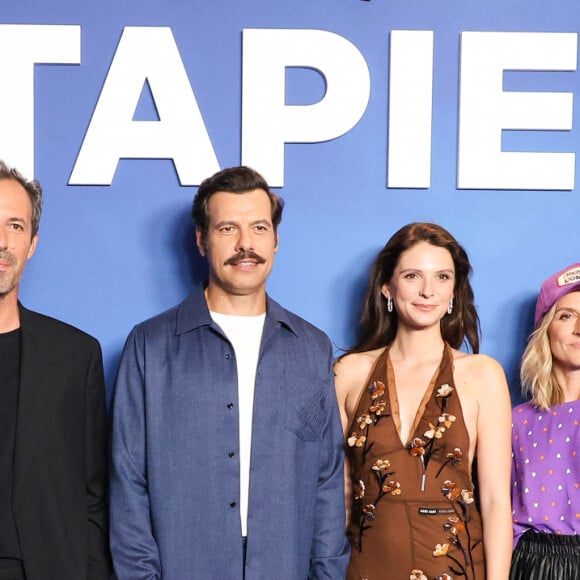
[444,271]
[262,222]
[235,223]
[18,220]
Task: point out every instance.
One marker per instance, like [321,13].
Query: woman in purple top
[546,439]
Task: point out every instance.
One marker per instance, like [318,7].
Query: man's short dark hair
[232,180]
[32,188]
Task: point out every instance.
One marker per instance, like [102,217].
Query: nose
[244,242]
[426,289]
[577,325]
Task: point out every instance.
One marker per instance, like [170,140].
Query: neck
[9,315]
[418,345]
[238,305]
[569,381]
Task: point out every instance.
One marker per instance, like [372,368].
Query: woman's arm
[494,466]
[343,381]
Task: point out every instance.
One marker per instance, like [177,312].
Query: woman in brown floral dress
[416,411]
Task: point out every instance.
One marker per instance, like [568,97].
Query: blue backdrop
[120,108]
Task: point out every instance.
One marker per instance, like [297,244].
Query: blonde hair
[536,374]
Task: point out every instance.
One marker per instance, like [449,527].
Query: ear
[32,247]
[276,242]
[199,242]
[385,290]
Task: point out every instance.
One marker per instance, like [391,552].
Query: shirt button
[228,356]
[230,405]
[233,504]
[231,454]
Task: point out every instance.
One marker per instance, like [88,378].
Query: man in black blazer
[53,513]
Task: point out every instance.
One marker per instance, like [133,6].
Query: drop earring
[450,307]
[389,304]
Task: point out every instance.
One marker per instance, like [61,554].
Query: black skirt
[11,569]
[546,557]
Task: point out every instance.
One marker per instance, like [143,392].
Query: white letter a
[146,54]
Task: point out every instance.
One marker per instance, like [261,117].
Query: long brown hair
[378,327]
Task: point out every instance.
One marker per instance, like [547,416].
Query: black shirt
[9,381]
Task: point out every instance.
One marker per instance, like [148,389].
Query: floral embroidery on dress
[418,575]
[381,468]
[424,449]
[460,498]
[461,560]
[375,413]
[386,486]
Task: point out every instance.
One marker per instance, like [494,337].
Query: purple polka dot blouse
[546,469]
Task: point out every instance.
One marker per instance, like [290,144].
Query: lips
[425,307]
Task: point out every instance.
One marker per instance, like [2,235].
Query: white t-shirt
[245,334]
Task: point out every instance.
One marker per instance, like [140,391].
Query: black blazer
[59,484]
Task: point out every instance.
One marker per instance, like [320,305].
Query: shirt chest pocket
[307,405]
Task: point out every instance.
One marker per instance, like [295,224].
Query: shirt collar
[193,313]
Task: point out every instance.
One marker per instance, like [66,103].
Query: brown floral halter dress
[413,514]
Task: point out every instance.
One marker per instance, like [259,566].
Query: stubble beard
[8,278]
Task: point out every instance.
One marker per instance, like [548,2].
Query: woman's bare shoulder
[351,370]
[355,361]
[478,369]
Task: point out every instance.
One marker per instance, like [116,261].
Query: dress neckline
[427,395]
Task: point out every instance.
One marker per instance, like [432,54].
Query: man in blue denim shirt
[227,447]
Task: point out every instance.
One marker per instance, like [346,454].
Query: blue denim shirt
[175,474]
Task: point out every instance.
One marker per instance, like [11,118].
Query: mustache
[7,258]
[244,255]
